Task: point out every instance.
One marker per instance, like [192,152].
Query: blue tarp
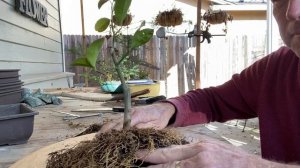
[37,98]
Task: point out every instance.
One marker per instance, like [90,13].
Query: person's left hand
[203,155]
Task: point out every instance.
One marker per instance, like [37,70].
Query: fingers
[142,120]
[151,116]
[149,125]
[176,164]
[192,162]
[170,154]
[145,125]
[138,115]
[116,125]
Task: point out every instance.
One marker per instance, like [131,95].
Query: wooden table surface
[50,128]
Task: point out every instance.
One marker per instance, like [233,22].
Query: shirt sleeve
[235,99]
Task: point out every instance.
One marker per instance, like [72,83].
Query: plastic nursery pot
[7,73]
[9,80]
[11,97]
[16,124]
[112,87]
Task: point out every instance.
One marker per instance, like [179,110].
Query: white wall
[27,45]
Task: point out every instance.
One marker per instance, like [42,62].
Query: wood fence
[175,56]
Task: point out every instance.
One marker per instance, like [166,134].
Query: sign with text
[34,10]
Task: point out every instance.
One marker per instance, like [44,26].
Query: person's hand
[155,115]
[203,155]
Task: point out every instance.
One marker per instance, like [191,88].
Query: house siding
[27,45]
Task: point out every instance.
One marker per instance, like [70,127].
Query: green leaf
[93,51]
[101,2]
[82,61]
[102,24]
[141,37]
[120,9]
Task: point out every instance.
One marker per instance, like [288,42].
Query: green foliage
[77,51]
[141,37]
[119,57]
[101,2]
[89,60]
[102,24]
[93,51]
[120,10]
[106,72]
[82,61]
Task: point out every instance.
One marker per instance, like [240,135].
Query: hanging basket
[217,17]
[126,21]
[169,18]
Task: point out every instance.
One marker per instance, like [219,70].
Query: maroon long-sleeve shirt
[269,89]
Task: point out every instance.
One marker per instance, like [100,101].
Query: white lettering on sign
[33,9]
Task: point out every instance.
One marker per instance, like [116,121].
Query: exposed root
[91,129]
[114,149]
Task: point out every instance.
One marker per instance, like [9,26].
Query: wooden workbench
[50,128]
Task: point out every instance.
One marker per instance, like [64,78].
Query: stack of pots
[10,86]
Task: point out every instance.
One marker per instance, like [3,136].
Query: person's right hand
[205,154]
[155,115]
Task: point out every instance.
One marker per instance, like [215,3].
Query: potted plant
[217,17]
[169,18]
[107,78]
[140,37]
[115,148]
[105,75]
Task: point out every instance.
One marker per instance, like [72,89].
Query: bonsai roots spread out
[114,149]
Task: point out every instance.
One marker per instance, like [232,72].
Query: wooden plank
[180,67]
[227,59]
[157,59]
[39,158]
[190,67]
[151,56]
[184,63]
[53,3]
[29,68]
[18,35]
[245,50]
[148,47]
[26,23]
[20,53]
[54,24]
[72,41]
[170,53]
[51,9]
[198,45]
[162,49]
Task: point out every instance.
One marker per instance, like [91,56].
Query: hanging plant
[217,17]
[169,18]
[125,22]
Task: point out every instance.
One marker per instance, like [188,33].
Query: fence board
[175,56]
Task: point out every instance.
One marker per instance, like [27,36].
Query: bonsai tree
[115,24]
[115,148]
[105,73]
